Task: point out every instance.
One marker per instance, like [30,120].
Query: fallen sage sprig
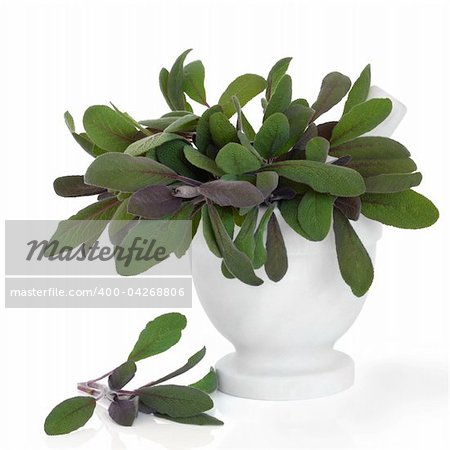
[205,168]
[183,404]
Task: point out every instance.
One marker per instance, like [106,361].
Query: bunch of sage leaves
[182,404]
[205,168]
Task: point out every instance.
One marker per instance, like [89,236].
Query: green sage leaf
[171,154]
[83,227]
[281,97]
[314,214]
[371,147]
[203,138]
[266,182]
[201,161]
[208,383]
[108,129]
[199,419]
[148,143]
[407,209]
[354,261]
[127,173]
[275,75]
[245,240]
[333,89]
[194,82]
[175,83]
[163,79]
[260,249]
[361,119]
[359,91]
[191,362]
[272,136]
[325,178]
[69,415]
[158,336]
[183,124]
[392,182]
[298,118]
[237,262]
[236,159]
[317,149]
[289,212]
[175,401]
[222,132]
[373,167]
[276,264]
[245,88]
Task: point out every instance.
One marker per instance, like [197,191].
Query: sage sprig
[183,404]
[214,166]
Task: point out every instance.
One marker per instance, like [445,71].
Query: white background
[59,55]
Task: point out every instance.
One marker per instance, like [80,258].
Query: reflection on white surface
[393,404]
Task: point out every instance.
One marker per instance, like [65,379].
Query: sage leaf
[333,89]
[83,227]
[203,138]
[122,375]
[74,186]
[371,147]
[121,222]
[199,419]
[175,401]
[325,178]
[276,73]
[276,264]
[361,119]
[236,261]
[194,82]
[317,149]
[272,136]
[392,182]
[69,415]
[349,206]
[245,88]
[175,83]
[171,154]
[154,202]
[236,159]
[163,79]
[372,167]
[157,125]
[355,264]
[359,91]
[298,118]
[407,209]
[208,233]
[208,383]
[326,129]
[266,182]
[245,240]
[191,362]
[239,194]
[260,255]
[247,128]
[127,173]
[124,411]
[148,143]
[158,336]
[201,161]
[281,98]
[222,132]
[314,214]
[108,129]
[183,124]
[289,212]
[166,238]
